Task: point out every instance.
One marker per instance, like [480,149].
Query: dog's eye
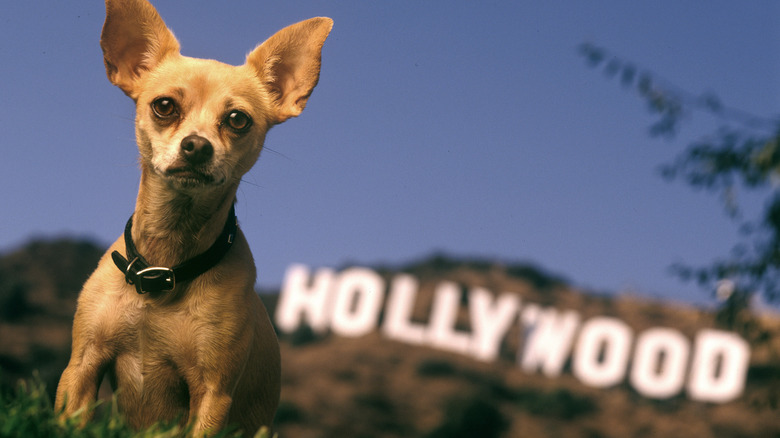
[164,107]
[238,121]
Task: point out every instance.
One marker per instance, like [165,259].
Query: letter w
[549,338]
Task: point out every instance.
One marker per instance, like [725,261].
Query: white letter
[299,303]
[660,363]
[601,354]
[549,336]
[719,368]
[359,296]
[400,305]
[444,315]
[490,321]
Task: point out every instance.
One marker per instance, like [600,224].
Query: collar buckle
[154,279]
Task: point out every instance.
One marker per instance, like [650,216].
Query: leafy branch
[743,152]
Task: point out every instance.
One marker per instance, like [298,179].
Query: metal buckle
[155,279]
[128,271]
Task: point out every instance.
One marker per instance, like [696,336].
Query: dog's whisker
[251,183]
[266,148]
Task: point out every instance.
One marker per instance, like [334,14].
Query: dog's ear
[288,64]
[134,40]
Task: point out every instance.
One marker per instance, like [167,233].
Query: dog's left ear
[288,64]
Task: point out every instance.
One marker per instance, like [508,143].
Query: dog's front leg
[99,328]
[79,383]
[210,411]
[221,360]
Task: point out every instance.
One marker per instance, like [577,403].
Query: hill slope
[376,386]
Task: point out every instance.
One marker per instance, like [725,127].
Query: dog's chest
[164,348]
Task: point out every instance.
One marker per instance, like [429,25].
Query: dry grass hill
[372,386]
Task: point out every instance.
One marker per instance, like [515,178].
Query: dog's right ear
[134,40]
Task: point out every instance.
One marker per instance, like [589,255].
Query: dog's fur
[205,352]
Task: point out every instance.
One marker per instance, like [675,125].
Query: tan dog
[171,313]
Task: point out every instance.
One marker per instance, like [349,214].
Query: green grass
[27,412]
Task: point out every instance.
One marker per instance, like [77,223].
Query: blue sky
[470,128]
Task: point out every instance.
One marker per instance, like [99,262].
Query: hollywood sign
[603,351]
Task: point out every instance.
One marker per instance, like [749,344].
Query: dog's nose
[196,149]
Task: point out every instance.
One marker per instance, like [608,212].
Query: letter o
[660,362]
[602,350]
[359,294]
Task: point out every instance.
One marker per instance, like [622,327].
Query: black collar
[148,278]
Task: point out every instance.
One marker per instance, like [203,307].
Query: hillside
[378,385]
[39,284]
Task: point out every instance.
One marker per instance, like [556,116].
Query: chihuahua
[170,315]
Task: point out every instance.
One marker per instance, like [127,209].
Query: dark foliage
[436,368]
[560,404]
[474,415]
[36,278]
[303,335]
[39,283]
[288,412]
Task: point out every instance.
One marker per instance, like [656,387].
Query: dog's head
[201,123]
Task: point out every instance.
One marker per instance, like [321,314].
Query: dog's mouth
[189,176]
